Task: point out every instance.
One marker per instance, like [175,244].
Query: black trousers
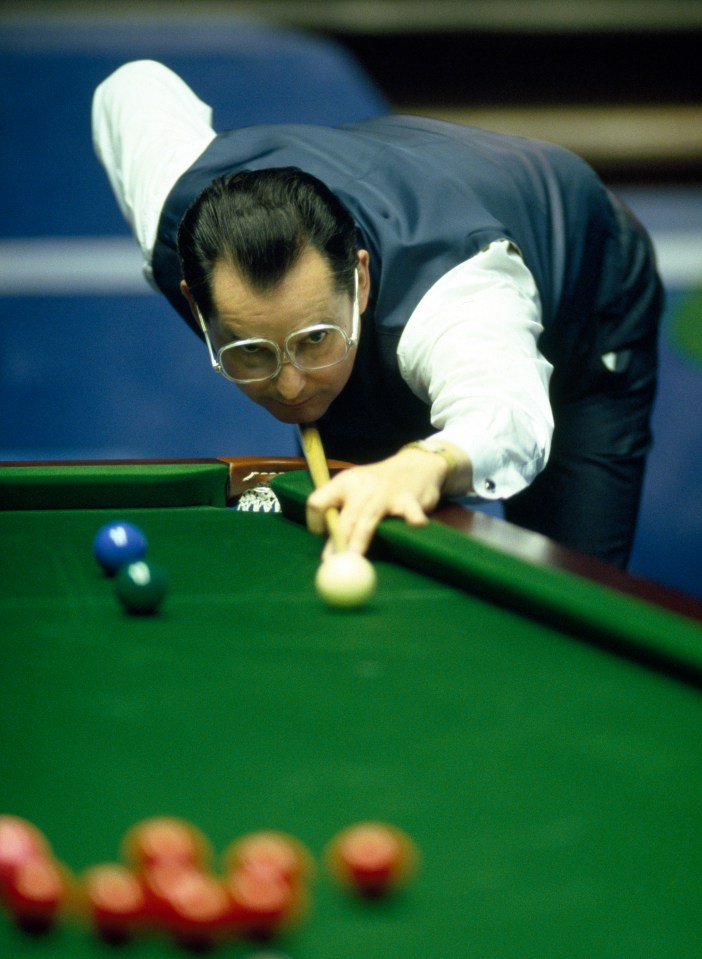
[588,496]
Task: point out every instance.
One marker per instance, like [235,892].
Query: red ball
[188,902]
[372,858]
[37,891]
[114,900]
[271,852]
[261,903]
[20,842]
[165,839]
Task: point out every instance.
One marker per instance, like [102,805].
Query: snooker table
[535,728]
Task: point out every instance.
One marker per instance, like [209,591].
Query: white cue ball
[345,580]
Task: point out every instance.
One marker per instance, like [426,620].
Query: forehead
[306,294]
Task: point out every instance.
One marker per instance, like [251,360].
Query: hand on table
[407,485]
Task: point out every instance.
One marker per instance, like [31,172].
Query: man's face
[305,296]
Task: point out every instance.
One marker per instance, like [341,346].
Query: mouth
[305,411]
[293,409]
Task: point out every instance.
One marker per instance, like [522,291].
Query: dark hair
[261,221]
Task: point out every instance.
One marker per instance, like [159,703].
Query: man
[405,280]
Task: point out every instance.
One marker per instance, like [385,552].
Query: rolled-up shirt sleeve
[470,350]
[148,128]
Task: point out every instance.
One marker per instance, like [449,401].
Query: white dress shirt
[469,349]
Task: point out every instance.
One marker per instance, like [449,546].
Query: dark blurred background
[619,81]
[94,364]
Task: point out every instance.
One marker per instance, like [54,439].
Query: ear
[364,279]
[199,318]
[191,300]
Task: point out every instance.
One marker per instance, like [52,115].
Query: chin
[299,416]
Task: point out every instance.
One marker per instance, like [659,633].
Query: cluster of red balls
[164,881]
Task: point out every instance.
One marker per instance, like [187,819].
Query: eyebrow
[330,317]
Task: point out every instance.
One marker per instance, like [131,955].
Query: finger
[315,520]
[357,529]
[360,534]
[410,510]
[357,522]
[317,505]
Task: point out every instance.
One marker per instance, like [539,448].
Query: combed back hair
[260,222]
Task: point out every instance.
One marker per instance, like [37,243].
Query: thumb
[314,513]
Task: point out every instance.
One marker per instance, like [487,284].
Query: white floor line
[71,266]
[94,266]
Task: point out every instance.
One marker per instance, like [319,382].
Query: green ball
[141,587]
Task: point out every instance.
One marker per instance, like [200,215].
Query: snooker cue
[319,471]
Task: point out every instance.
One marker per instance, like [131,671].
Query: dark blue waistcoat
[425,196]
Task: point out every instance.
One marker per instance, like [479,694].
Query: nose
[290,382]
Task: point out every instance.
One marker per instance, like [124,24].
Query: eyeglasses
[257,359]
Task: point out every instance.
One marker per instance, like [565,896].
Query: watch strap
[438,449]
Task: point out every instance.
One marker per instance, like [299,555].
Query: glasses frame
[281,353]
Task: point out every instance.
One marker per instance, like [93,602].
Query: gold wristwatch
[438,448]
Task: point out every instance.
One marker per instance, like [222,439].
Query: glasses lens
[250,360]
[317,347]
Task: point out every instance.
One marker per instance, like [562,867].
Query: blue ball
[118,543]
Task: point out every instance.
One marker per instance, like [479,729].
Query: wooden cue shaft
[319,471]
